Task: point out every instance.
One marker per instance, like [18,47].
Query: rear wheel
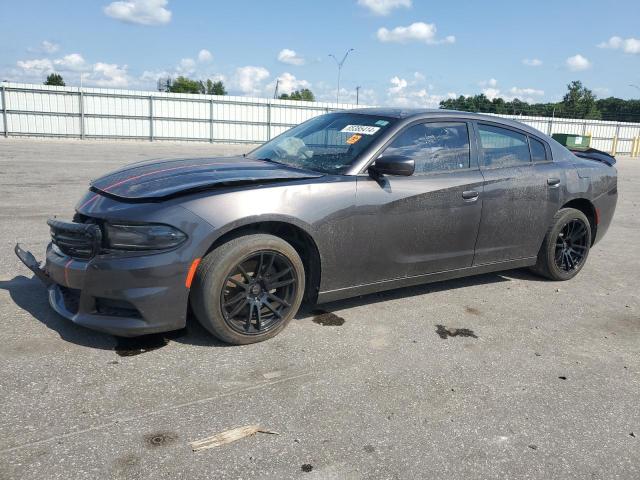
[248,289]
[565,248]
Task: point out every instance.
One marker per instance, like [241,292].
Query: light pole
[358,95]
[340,64]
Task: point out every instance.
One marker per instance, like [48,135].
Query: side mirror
[398,165]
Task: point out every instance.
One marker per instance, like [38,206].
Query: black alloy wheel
[571,245]
[565,247]
[258,292]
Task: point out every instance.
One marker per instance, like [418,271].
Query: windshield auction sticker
[361,129]
[353,139]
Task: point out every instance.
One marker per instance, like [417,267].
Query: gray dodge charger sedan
[345,204]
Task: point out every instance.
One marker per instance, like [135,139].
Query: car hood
[154,180]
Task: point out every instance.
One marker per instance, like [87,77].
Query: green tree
[305,95]
[580,102]
[618,109]
[55,79]
[215,88]
[185,85]
[188,85]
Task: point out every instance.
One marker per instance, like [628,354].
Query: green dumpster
[572,141]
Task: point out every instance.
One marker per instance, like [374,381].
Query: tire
[241,275]
[553,262]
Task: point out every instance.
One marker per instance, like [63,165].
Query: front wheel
[565,248]
[248,289]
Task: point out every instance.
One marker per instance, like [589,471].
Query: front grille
[77,240]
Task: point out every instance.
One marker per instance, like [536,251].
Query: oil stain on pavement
[327,319]
[446,332]
[160,439]
[128,347]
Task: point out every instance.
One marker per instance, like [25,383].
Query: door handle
[470,195]
[553,182]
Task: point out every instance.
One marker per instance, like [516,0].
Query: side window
[538,152]
[502,147]
[435,147]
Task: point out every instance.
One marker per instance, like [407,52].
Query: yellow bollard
[636,152]
[614,146]
[634,146]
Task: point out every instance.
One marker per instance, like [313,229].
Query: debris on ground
[228,437]
[307,467]
[445,332]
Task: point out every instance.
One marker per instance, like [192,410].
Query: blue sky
[407,52]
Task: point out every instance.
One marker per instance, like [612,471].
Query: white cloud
[39,66]
[384,7]
[72,62]
[403,93]
[491,93]
[532,62]
[186,66]
[527,92]
[290,57]
[109,75]
[249,80]
[36,66]
[578,63]
[627,45]
[287,83]
[72,67]
[49,47]
[397,85]
[149,78]
[492,82]
[416,32]
[204,56]
[143,12]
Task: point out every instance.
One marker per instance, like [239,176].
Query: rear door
[427,222]
[521,193]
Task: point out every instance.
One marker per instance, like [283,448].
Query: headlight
[142,237]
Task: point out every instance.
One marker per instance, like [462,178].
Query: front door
[427,222]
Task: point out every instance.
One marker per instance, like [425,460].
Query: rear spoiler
[595,154]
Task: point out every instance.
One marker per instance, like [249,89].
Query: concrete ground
[550,388]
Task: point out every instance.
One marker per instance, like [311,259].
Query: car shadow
[309,311]
[31,296]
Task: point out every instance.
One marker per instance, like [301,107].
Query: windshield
[327,143]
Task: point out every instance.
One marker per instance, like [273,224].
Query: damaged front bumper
[126,296]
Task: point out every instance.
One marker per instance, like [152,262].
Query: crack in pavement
[154,412]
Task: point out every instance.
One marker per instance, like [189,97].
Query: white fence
[39,110]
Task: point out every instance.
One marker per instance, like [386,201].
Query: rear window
[538,152]
[502,147]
